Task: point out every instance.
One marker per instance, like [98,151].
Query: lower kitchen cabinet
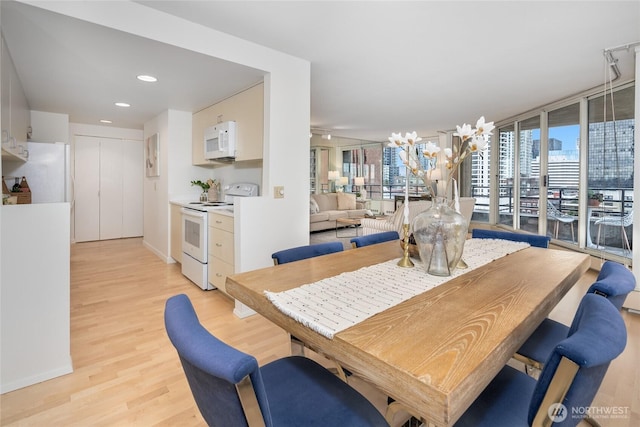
[221,249]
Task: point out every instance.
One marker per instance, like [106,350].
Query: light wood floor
[126,373]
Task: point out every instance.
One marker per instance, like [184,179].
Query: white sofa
[325,208]
[395,221]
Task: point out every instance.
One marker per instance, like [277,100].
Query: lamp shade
[343,180]
[358,180]
[333,175]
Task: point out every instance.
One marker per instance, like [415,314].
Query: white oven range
[195,232]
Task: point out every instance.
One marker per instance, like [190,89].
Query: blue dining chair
[299,253]
[532,239]
[308,251]
[372,239]
[230,389]
[569,380]
[614,283]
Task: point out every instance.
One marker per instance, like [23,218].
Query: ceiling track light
[612,62]
[324,133]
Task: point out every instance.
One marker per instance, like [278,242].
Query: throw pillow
[313,206]
[346,201]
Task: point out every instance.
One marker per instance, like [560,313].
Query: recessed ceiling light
[122,104]
[146,78]
[105,121]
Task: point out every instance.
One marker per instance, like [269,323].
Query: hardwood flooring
[126,373]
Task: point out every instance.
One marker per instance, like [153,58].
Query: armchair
[394,222]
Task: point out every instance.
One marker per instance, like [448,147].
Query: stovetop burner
[217,204]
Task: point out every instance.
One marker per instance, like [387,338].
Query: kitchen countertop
[223,210]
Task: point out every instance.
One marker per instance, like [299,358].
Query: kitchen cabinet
[221,249]
[108,176]
[247,110]
[176,233]
[14,110]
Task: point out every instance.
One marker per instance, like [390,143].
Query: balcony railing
[616,203]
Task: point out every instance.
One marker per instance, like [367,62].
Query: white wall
[35,294]
[156,191]
[49,127]
[176,173]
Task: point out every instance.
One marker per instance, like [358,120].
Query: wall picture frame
[152,155]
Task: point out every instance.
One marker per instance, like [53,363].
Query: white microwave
[220,141]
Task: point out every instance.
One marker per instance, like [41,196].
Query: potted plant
[207,187]
[595,198]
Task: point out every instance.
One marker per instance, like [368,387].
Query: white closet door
[87,188]
[111,184]
[132,189]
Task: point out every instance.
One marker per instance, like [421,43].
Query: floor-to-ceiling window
[529,173]
[610,171]
[541,170]
[506,174]
[563,172]
[394,173]
[479,169]
[366,162]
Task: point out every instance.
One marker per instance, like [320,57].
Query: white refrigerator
[47,171]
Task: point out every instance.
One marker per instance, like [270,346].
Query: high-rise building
[611,154]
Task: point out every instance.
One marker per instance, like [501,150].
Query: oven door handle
[192,213]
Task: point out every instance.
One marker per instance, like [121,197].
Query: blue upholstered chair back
[532,239]
[599,337]
[372,239]
[212,367]
[615,282]
[304,252]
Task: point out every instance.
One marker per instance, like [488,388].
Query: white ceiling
[376,67]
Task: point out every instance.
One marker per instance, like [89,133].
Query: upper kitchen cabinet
[14,111]
[247,110]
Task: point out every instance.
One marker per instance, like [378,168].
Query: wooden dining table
[433,353]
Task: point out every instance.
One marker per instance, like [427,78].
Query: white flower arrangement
[472,140]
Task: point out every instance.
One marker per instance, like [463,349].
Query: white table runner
[336,303]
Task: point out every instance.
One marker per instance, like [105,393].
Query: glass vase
[440,233]
[204,196]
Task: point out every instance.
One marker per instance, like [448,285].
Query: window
[479,169]
[364,161]
[610,170]
[529,194]
[394,172]
[530,160]
[563,171]
[507,146]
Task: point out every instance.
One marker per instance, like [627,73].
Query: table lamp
[358,181]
